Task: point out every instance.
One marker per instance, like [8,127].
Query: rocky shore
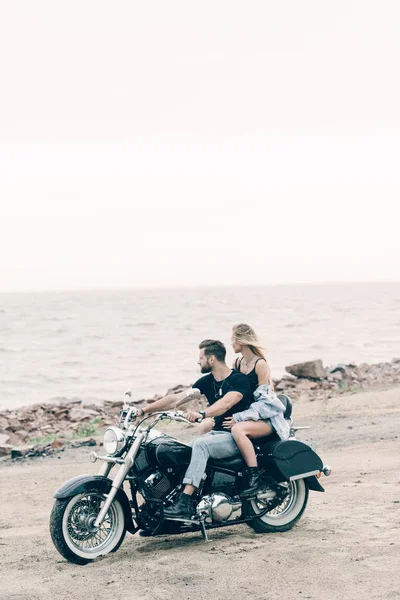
[42,429]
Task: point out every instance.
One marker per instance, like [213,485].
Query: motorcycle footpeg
[192,520]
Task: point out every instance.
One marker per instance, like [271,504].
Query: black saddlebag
[168,452]
[288,459]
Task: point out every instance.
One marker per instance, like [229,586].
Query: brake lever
[178,416]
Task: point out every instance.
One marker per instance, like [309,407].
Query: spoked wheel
[283,516]
[74,534]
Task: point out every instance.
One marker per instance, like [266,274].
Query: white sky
[182,143]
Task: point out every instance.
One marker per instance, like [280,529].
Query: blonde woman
[252,363]
[265,415]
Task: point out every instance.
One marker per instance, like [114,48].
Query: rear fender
[314,484]
[84,483]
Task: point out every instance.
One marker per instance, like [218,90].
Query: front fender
[84,483]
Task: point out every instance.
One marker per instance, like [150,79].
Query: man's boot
[182,510]
[254,482]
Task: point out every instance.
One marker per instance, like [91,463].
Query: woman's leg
[245,431]
[242,433]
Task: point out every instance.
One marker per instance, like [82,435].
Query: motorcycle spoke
[281,508]
[80,523]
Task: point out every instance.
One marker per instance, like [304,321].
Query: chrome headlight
[114,441]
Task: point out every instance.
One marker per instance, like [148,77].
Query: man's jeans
[216,444]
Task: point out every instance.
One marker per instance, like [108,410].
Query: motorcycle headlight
[114,441]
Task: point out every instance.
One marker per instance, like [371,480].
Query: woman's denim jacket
[266,407]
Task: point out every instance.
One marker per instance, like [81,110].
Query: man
[227,392]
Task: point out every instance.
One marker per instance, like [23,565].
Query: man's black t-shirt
[215,390]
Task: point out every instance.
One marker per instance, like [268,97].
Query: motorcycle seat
[233,463]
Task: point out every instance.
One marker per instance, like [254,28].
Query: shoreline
[45,428]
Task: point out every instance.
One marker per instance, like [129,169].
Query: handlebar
[158,416]
[177,415]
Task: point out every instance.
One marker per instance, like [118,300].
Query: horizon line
[197,286]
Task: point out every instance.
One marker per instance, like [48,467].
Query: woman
[252,363]
[255,422]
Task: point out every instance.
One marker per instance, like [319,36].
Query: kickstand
[203,531]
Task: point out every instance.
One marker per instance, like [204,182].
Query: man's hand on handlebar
[193,416]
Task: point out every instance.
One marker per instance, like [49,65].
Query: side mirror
[129,394]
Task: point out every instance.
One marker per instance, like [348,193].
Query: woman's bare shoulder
[261,367]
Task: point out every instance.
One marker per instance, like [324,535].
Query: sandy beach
[346,545]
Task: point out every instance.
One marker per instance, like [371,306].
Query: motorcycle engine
[217,507]
[158,485]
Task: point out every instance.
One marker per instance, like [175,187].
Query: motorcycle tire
[72,531]
[284,516]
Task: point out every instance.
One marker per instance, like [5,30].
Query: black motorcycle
[92,513]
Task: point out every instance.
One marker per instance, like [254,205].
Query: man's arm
[218,408]
[171,401]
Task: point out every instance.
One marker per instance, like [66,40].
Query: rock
[312,369]
[395,360]
[57,444]
[284,385]
[18,451]
[83,442]
[360,373]
[22,434]
[5,449]
[95,407]
[59,411]
[13,424]
[31,451]
[306,384]
[117,404]
[4,438]
[339,369]
[81,414]
[62,401]
[289,377]
[4,424]
[328,385]
[337,376]
[12,438]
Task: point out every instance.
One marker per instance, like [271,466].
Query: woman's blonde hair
[246,336]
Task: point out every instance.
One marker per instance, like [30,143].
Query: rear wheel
[74,534]
[283,516]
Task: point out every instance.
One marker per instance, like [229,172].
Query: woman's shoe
[255,482]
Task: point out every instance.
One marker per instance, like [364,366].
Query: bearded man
[227,392]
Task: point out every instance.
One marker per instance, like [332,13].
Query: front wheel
[283,516]
[72,527]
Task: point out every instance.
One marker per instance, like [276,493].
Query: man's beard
[206,369]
